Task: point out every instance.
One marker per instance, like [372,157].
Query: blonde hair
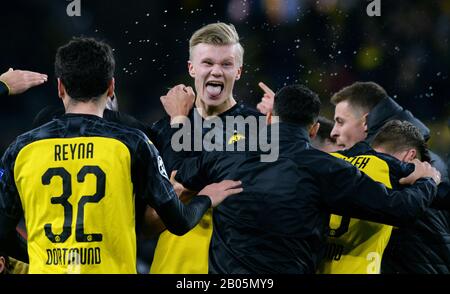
[217,34]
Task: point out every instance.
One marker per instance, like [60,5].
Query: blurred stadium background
[325,44]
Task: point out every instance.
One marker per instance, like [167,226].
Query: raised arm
[267,100]
[15,82]
[177,103]
[152,184]
[351,193]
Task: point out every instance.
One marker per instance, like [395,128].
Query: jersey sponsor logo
[198,134]
[161,168]
[235,138]
[2,172]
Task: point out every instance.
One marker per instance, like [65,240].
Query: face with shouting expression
[215,68]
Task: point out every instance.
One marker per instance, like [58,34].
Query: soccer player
[15,82]
[76,179]
[356,246]
[215,64]
[323,141]
[278,224]
[353,246]
[354,119]
[404,141]
[361,109]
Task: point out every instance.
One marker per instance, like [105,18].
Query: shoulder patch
[161,168]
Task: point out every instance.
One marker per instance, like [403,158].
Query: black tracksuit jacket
[279,223]
[422,247]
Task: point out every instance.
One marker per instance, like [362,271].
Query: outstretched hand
[266,104]
[217,192]
[18,81]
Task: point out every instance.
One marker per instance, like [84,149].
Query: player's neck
[208,110]
[85,108]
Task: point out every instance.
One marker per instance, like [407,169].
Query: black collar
[291,132]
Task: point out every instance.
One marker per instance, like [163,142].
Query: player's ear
[111,88]
[238,74]
[410,155]
[61,89]
[313,130]
[364,117]
[2,264]
[191,69]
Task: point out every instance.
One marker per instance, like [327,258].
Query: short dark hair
[324,132]
[397,136]
[85,67]
[363,95]
[297,104]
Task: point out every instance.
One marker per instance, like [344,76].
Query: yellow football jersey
[356,246]
[75,180]
[70,188]
[187,254]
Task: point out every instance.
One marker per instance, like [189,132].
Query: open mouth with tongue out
[214,89]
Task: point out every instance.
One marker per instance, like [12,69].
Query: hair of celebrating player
[217,34]
[297,104]
[85,67]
